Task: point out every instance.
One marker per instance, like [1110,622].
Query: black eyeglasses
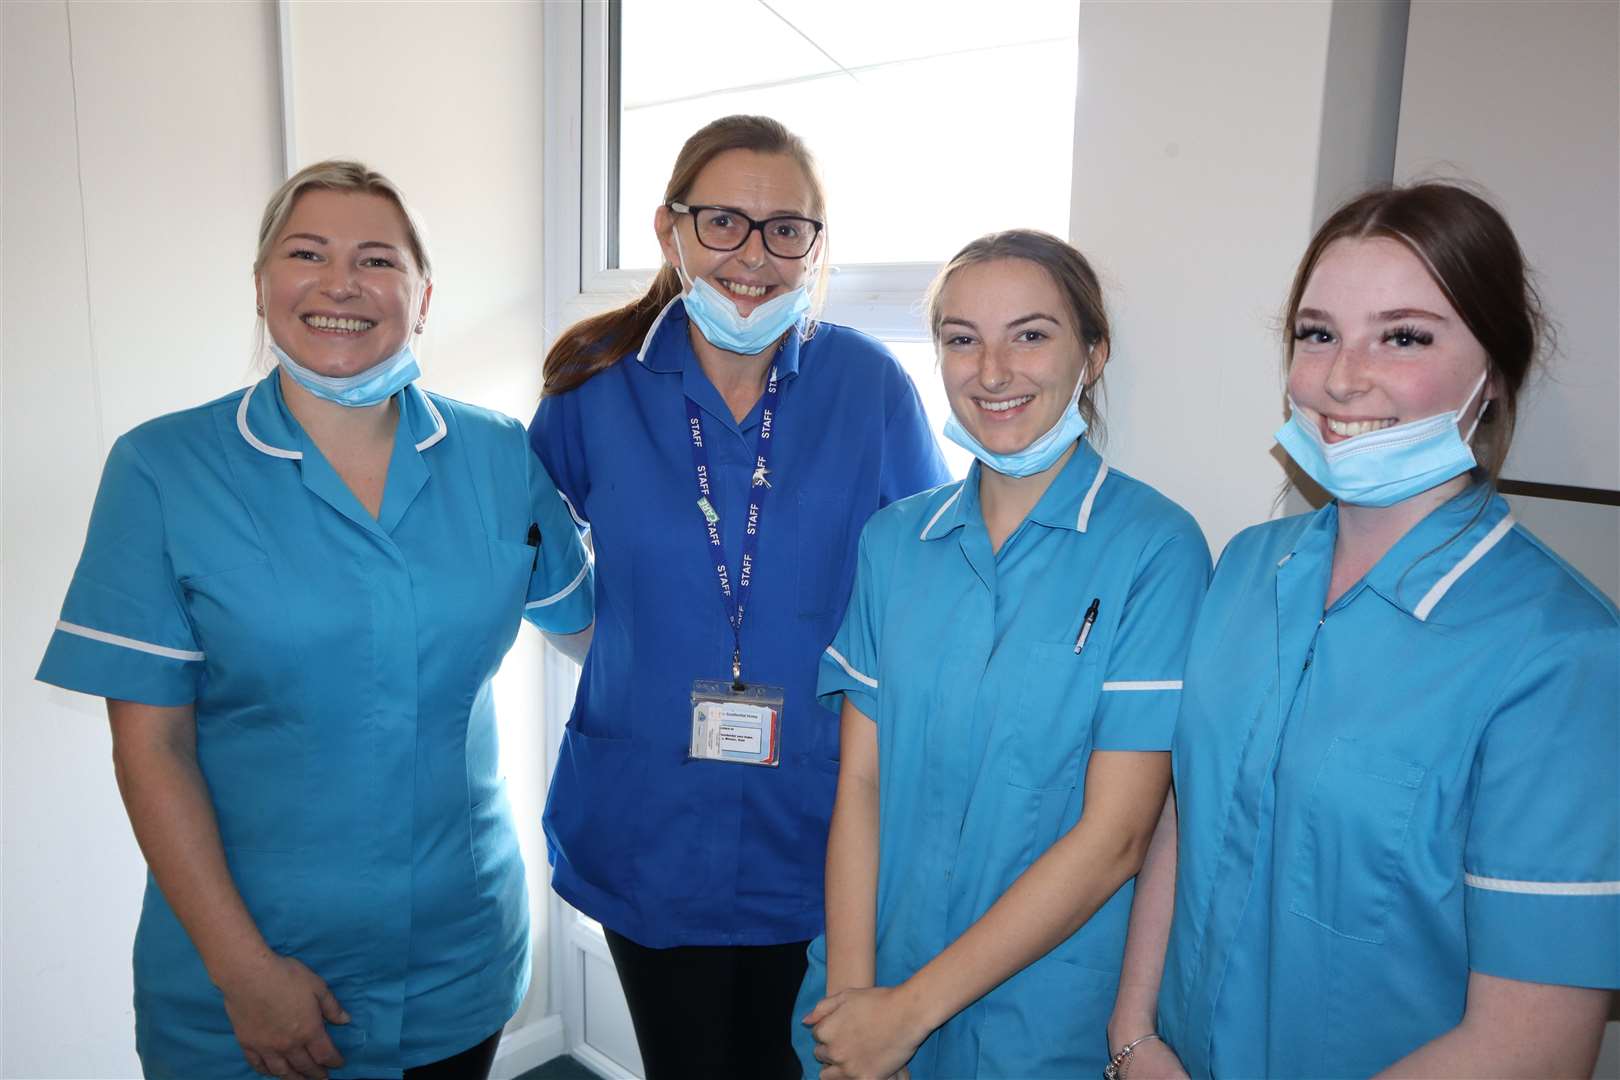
[720,228]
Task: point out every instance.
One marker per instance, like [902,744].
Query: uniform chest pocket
[1047,733]
[1350,858]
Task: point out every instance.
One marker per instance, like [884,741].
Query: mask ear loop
[1472,394]
[680,254]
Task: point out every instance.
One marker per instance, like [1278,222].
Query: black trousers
[717,1012]
[470,1064]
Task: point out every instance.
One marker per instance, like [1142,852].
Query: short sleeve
[555,438]
[911,457]
[561,590]
[849,665]
[124,631]
[1542,860]
[1141,688]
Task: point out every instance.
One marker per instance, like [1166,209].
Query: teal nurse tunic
[986,718]
[1422,782]
[339,667]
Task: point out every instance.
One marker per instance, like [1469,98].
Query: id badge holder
[739,724]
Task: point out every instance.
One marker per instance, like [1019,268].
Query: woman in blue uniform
[725,448]
[293,599]
[1009,671]
[1398,754]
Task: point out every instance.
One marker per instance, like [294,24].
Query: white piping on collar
[652,331]
[1084,519]
[440,429]
[1438,591]
[940,512]
[252,439]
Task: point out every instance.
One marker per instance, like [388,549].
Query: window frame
[581,197]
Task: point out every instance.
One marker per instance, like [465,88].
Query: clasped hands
[866,1034]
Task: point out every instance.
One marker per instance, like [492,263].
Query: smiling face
[1376,343]
[760,185]
[1010,351]
[339,290]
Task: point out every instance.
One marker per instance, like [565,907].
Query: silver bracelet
[1119,1064]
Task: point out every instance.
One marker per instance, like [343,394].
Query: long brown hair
[1472,254]
[1070,272]
[595,344]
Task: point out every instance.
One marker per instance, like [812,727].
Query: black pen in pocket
[1086,625]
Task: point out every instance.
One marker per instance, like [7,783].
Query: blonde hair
[336,174]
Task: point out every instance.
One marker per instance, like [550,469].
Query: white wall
[135,300]
[1520,97]
[1208,136]
[128,302]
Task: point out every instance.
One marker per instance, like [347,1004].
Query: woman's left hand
[871,1032]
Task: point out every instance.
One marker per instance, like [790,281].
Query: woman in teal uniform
[293,599]
[1009,670]
[1398,755]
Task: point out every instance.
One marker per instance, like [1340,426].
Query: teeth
[751,291]
[1348,428]
[1003,406]
[348,326]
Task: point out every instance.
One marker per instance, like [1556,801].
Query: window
[932,122]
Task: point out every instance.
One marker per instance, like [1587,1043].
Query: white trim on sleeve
[1160,684]
[1441,587]
[579,523]
[1544,888]
[857,676]
[1084,519]
[937,515]
[562,593]
[128,643]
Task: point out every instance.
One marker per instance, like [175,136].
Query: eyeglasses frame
[682,208]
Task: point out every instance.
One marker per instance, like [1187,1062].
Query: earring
[420,325]
[260,309]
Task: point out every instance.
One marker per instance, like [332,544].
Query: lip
[1002,416]
[726,281]
[1330,436]
[304,318]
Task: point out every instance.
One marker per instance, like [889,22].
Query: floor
[562,1068]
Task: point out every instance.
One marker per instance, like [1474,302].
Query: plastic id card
[735,725]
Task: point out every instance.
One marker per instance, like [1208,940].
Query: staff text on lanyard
[735,599]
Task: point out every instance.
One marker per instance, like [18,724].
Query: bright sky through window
[934,120]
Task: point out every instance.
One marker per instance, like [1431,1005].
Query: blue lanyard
[735,600]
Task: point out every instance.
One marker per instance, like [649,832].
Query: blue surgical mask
[1039,455]
[1382,468]
[724,327]
[376,384]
